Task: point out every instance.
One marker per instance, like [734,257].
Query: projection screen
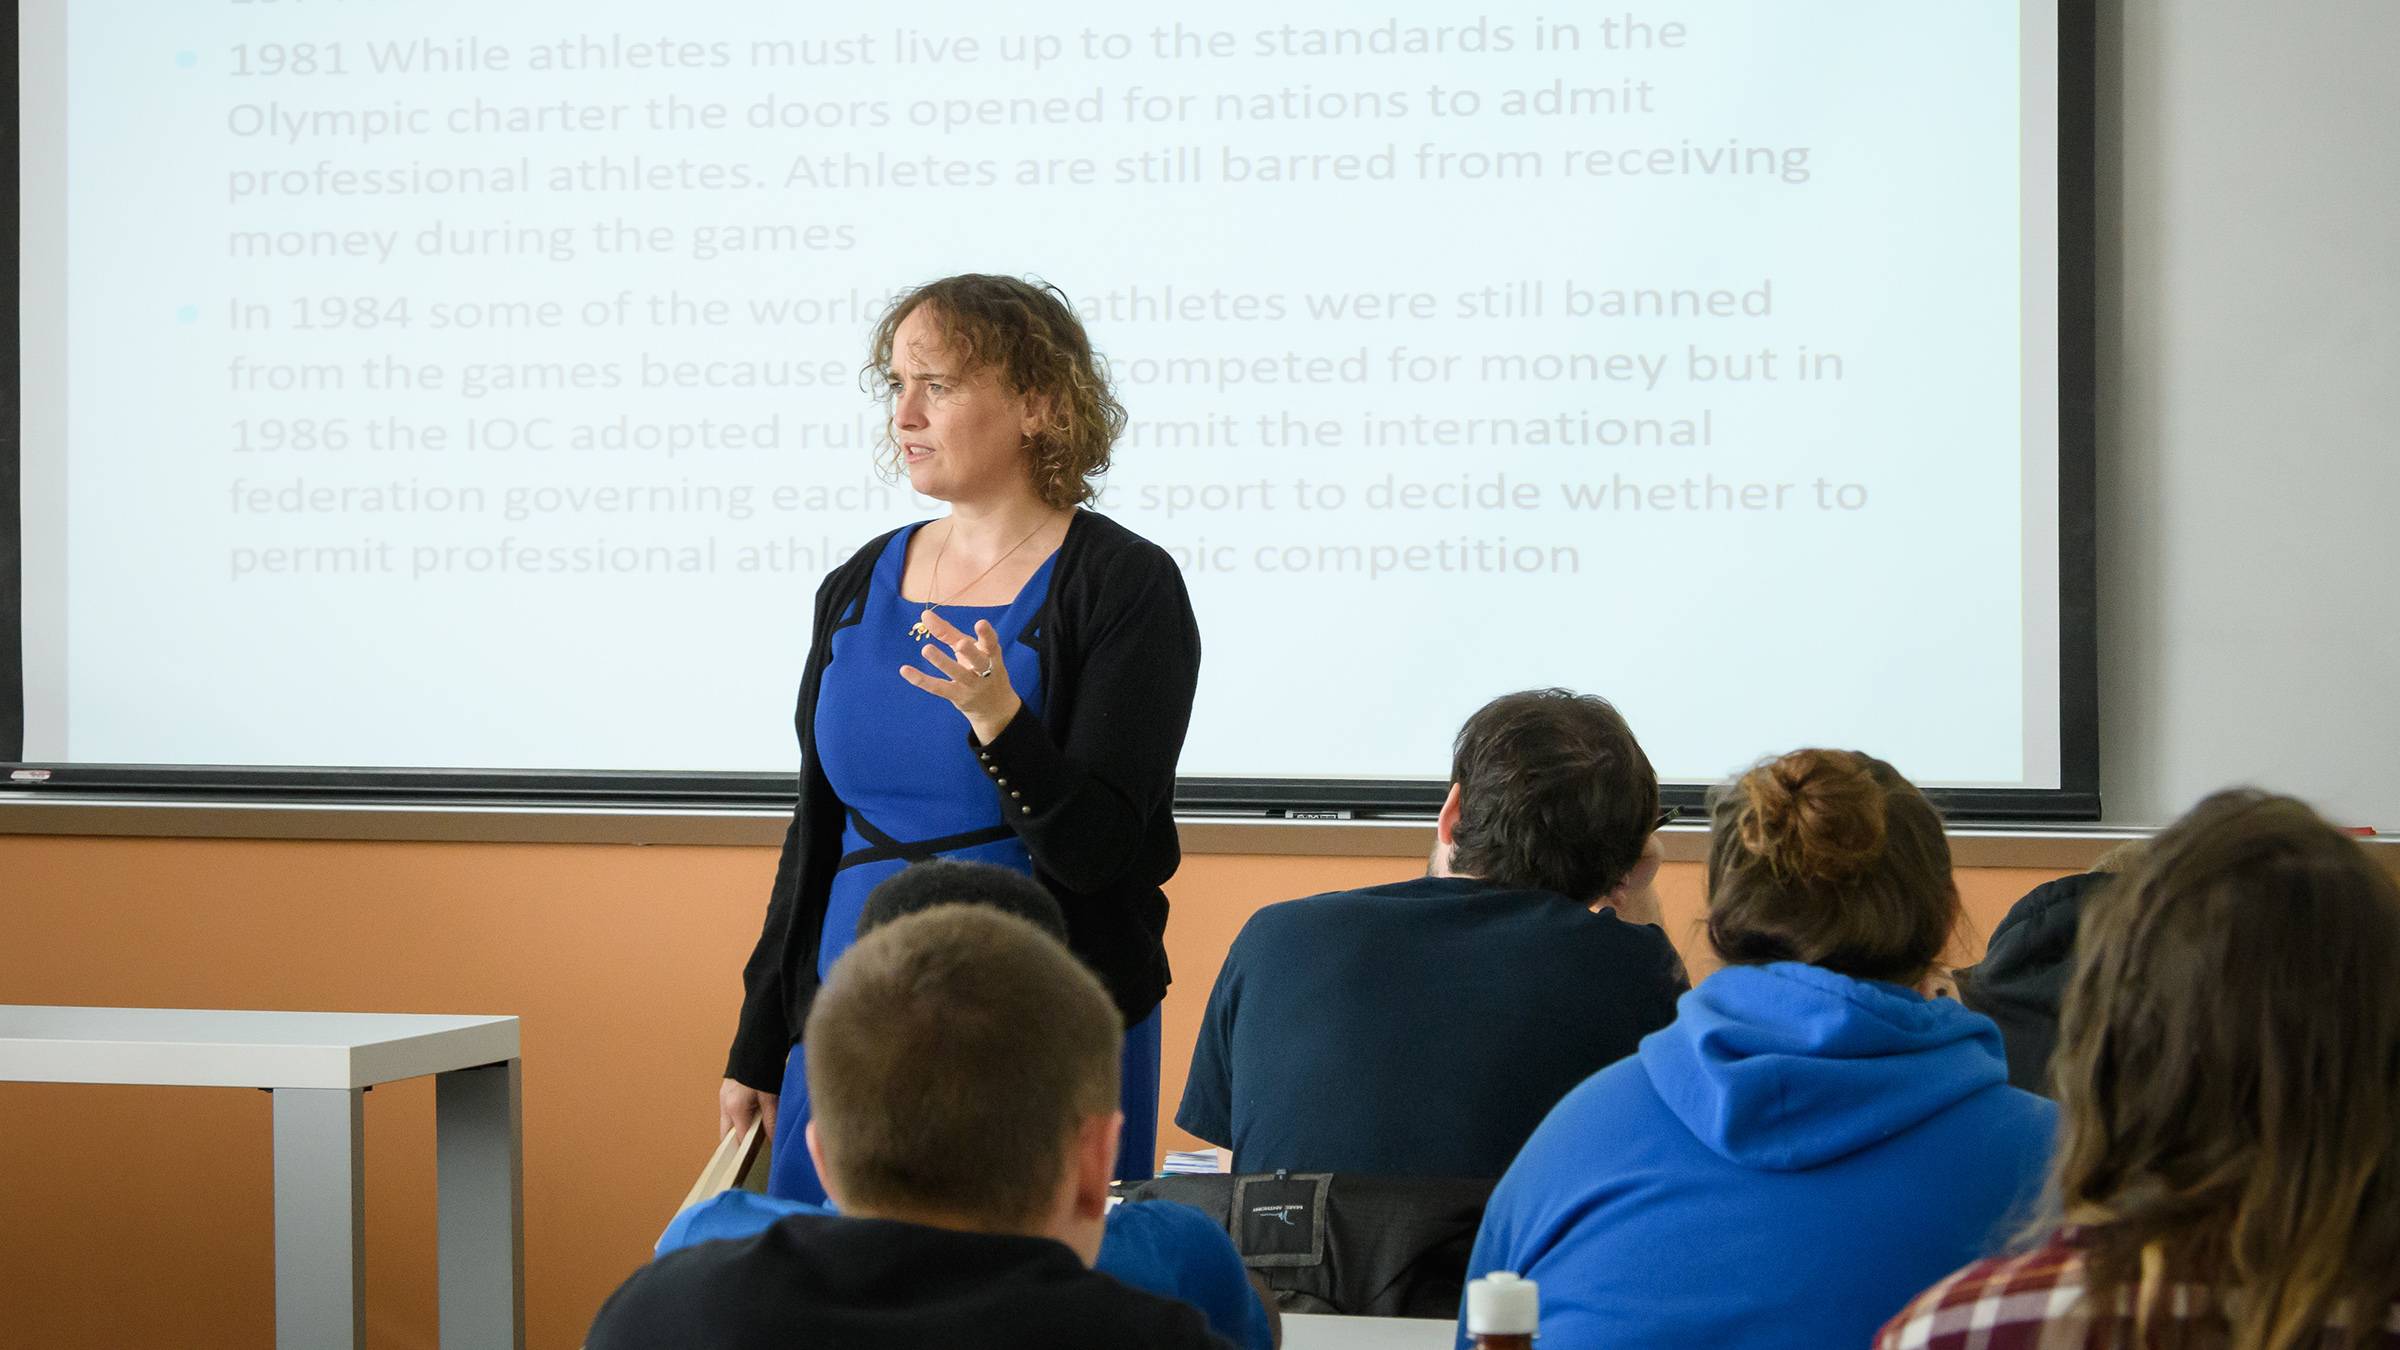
[468,398]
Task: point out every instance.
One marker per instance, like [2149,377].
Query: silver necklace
[918,630]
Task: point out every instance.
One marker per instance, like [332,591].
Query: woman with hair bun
[1816,1135]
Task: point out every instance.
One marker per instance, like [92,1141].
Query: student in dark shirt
[1171,1250]
[963,1070]
[1424,1028]
[2023,976]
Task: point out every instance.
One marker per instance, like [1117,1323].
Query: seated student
[2023,973]
[2228,1079]
[1169,1249]
[1784,1164]
[1423,1028]
[963,1071]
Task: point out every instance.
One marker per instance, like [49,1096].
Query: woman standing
[1009,683]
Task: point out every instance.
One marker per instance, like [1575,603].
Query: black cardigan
[1090,784]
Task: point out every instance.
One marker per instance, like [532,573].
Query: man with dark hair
[963,1070]
[1166,1248]
[943,881]
[1424,1028]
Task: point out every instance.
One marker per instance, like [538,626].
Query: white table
[1318,1331]
[317,1065]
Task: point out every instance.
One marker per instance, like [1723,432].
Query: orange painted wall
[136,1216]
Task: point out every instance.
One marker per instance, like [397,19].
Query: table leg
[478,1121]
[320,1219]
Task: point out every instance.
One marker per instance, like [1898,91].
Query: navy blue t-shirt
[1418,1029]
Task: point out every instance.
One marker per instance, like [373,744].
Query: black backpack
[1361,1246]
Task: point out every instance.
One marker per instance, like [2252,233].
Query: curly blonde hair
[1027,335]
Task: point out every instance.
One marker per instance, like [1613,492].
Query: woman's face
[961,433]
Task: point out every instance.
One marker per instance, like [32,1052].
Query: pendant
[919,631]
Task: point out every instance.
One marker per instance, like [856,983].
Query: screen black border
[2076,799]
[12,426]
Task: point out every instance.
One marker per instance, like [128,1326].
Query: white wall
[2249,404]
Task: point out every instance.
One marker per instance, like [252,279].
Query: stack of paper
[1198,1161]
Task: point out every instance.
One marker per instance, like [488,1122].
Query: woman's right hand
[738,1104]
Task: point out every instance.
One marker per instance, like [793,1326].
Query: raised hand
[977,677]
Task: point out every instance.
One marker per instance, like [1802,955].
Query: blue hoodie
[1787,1164]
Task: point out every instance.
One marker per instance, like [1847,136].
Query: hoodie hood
[2026,964]
[2023,978]
[1786,1066]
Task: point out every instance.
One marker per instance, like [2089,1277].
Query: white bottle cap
[1501,1304]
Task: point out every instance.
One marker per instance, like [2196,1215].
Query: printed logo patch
[1281,1218]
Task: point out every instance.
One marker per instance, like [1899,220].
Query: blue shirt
[1158,1246]
[1790,1163]
[1418,1029]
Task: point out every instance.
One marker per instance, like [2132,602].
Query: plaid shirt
[2035,1301]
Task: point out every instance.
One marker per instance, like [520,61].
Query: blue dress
[901,762]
